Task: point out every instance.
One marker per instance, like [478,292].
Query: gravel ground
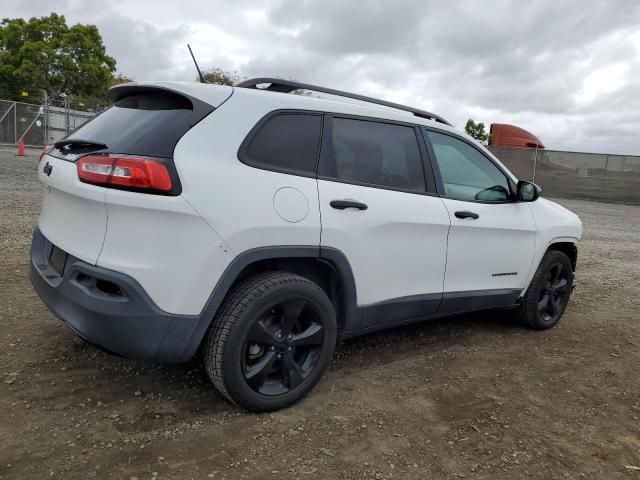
[475,396]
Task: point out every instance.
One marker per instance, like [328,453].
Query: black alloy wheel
[282,347]
[271,341]
[548,294]
[554,294]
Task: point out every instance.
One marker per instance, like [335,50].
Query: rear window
[287,142]
[148,124]
[374,153]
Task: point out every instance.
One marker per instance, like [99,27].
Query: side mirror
[527,191]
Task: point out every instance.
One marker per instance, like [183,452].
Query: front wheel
[549,291]
[273,338]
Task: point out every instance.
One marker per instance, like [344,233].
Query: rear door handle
[467,214]
[342,204]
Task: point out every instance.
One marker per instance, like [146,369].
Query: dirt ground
[475,396]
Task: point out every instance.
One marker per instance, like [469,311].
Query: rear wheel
[549,291]
[271,341]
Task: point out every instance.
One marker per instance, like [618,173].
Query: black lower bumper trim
[110,309]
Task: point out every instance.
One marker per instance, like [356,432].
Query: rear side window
[149,124]
[374,153]
[286,142]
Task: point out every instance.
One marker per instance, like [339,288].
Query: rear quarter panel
[235,199]
[165,245]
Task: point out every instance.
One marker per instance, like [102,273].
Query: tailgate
[144,124]
[73,215]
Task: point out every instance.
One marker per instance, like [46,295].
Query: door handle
[342,204]
[467,214]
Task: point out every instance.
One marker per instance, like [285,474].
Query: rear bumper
[110,309]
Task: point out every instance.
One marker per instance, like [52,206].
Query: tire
[548,293]
[271,341]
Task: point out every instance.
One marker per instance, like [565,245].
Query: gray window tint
[466,173]
[374,153]
[287,141]
[141,124]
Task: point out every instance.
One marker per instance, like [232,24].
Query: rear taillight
[129,172]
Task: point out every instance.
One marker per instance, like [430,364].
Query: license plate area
[57,260]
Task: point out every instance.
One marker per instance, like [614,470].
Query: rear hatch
[144,125]
[73,215]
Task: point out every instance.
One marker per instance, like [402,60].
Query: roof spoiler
[123,90]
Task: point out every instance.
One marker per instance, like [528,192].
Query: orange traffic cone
[21,152]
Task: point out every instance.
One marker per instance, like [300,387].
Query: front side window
[373,153]
[286,142]
[466,173]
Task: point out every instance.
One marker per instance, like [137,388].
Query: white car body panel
[165,245]
[396,248]
[492,251]
[73,214]
[554,224]
[235,199]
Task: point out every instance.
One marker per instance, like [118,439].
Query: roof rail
[287,86]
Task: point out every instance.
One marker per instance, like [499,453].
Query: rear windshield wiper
[78,144]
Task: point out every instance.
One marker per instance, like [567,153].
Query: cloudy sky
[569,71]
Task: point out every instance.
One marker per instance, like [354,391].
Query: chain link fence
[38,125]
[589,176]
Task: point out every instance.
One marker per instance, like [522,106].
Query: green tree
[476,130]
[100,100]
[119,78]
[218,76]
[46,55]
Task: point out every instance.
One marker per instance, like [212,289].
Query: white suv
[261,227]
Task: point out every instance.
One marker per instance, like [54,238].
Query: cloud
[552,67]
[142,50]
[564,70]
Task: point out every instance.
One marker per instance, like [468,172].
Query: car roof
[317,102]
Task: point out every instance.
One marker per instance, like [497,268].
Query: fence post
[66,114]
[535,163]
[44,119]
